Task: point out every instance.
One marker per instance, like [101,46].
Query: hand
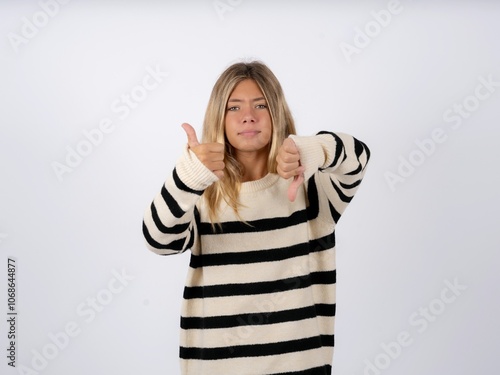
[288,160]
[210,154]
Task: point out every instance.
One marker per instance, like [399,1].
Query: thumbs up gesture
[210,154]
[288,160]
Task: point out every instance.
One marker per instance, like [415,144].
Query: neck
[254,165]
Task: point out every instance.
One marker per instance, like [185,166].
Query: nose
[248,115]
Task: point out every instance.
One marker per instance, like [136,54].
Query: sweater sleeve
[169,224]
[334,168]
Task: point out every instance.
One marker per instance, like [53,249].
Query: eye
[261,106]
[233,108]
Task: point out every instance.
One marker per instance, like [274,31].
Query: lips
[249,133]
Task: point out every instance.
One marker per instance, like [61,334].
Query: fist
[288,161]
[210,154]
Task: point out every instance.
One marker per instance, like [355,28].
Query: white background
[397,248]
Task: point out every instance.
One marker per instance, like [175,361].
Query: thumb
[191,135]
[294,186]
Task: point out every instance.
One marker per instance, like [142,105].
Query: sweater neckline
[261,184]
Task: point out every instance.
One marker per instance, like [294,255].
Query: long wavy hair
[228,188]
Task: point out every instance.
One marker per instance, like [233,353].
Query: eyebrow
[253,100]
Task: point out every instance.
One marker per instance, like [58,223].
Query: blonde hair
[214,123]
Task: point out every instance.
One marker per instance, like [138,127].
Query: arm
[334,164]
[169,224]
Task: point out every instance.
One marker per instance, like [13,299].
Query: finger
[289,170]
[289,158]
[191,135]
[294,187]
[209,152]
[215,165]
[215,147]
[219,174]
[289,146]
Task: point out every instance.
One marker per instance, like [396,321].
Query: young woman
[257,206]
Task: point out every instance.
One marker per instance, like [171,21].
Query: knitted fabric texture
[259,297]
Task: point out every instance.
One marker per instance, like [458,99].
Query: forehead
[246,88]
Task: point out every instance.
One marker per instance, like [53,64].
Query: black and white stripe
[260,294]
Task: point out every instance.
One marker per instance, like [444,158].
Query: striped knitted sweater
[259,296]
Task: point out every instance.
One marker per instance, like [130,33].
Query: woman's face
[248,122]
